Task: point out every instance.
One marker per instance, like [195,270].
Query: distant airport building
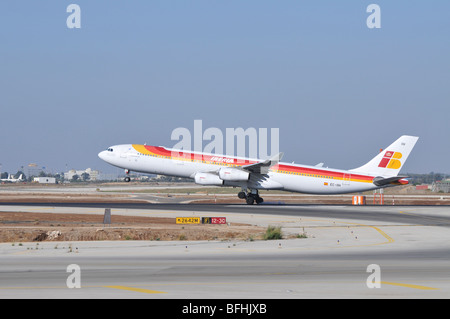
[92,174]
[441,186]
[33,169]
[45,180]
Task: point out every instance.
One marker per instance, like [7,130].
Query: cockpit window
[110,149]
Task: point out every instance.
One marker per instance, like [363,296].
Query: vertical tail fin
[390,160]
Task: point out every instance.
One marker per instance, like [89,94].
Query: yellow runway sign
[188,220]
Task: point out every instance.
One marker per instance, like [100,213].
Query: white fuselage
[283,176]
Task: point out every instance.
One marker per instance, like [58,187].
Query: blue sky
[136,70]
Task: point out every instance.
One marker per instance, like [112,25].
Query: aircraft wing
[263,167]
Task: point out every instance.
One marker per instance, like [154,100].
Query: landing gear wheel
[250,200]
[251,197]
[127,178]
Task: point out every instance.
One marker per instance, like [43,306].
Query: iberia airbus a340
[253,174]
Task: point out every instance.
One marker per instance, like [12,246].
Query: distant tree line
[430,178]
[414,179]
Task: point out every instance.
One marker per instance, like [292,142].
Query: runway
[423,215]
[409,244]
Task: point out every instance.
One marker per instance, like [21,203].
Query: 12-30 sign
[214,220]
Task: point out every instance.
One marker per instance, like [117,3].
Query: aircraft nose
[102,155]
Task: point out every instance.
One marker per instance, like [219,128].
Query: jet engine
[233,174]
[207,179]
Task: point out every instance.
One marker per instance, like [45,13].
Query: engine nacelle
[207,179]
[233,174]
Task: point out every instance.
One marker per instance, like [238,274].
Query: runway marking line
[390,240]
[408,286]
[147,291]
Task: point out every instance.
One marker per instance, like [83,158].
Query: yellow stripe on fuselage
[322,175]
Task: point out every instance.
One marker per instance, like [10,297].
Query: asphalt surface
[423,215]
[409,244]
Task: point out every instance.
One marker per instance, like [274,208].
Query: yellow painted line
[390,240]
[408,286]
[146,291]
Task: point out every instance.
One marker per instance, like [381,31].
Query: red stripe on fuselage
[174,154]
[219,159]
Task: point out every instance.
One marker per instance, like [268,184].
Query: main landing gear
[127,178]
[251,197]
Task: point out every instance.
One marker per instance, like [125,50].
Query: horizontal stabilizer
[396,180]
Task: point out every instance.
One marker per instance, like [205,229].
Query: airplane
[252,175]
[11,179]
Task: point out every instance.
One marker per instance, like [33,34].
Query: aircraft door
[346,179]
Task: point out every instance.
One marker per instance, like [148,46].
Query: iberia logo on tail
[391,160]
